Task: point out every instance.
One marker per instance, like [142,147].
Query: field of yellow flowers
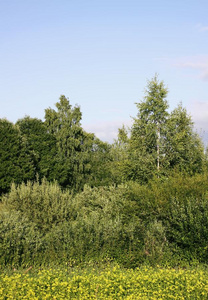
[105,283]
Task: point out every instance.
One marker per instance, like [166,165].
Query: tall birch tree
[149,128]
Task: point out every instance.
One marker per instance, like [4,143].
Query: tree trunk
[158,148]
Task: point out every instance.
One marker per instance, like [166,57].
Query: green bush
[93,224]
[44,203]
[187,226]
[19,239]
[104,224]
[180,203]
[163,222]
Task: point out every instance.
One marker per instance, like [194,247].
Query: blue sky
[100,55]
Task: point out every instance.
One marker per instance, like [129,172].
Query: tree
[80,154]
[64,124]
[161,142]
[41,144]
[120,157]
[16,162]
[184,148]
[149,129]
[100,164]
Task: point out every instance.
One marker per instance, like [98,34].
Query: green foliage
[41,144]
[65,125]
[102,210]
[187,223]
[80,154]
[161,142]
[19,238]
[16,162]
[156,223]
[152,200]
[155,242]
[142,199]
[180,203]
[120,165]
[92,224]
[99,228]
[184,148]
[100,164]
[43,203]
[148,131]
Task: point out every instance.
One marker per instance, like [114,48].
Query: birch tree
[149,128]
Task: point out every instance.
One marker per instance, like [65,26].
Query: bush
[43,203]
[93,224]
[187,224]
[163,222]
[19,240]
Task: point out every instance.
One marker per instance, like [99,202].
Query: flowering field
[106,283]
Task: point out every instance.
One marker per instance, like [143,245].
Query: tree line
[66,196]
[58,148]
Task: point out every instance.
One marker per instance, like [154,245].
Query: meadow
[106,282]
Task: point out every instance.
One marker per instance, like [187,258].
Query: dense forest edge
[68,197]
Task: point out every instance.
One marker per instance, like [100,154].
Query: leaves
[183,147]
[16,161]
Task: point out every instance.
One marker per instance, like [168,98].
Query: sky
[100,54]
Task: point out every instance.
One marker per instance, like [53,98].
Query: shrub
[43,203]
[19,239]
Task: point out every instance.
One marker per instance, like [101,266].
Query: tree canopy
[68,196]
[58,148]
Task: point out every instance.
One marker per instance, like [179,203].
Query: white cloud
[107,131]
[199,63]
[199,113]
[200,27]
